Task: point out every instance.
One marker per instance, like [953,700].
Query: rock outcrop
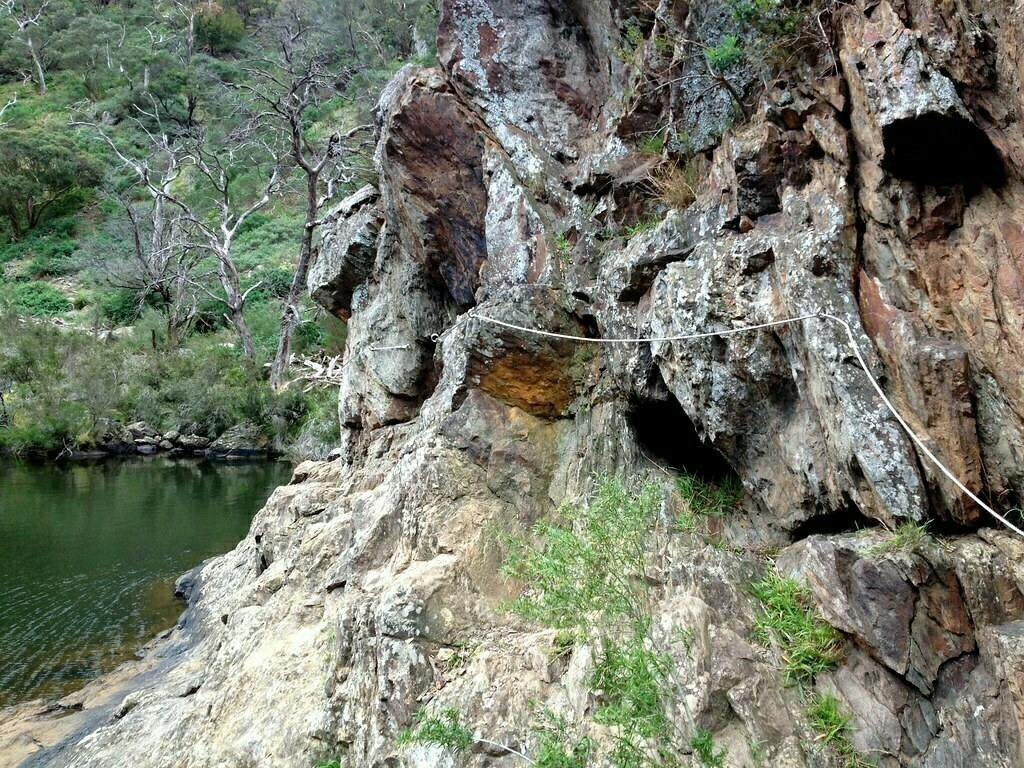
[874,185]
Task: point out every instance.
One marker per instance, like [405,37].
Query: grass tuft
[444,729]
[906,537]
[833,729]
[703,745]
[703,499]
[809,644]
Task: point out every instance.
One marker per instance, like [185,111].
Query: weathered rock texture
[877,182]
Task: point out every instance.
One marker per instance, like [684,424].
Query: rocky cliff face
[863,165]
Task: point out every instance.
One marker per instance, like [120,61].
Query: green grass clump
[444,729]
[808,643]
[703,745]
[833,729]
[556,747]
[587,574]
[704,499]
[589,570]
[906,537]
[643,225]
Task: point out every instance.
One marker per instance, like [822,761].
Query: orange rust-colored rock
[536,383]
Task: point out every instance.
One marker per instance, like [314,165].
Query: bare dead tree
[282,91]
[216,234]
[27,21]
[10,103]
[162,264]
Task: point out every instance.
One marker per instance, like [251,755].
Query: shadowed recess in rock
[941,150]
[846,519]
[667,434]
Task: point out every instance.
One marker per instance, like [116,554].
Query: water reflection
[89,554]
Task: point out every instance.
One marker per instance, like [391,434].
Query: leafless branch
[10,103]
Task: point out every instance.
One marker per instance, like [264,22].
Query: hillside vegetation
[164,168]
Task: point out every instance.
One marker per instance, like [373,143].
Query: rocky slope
[876,180]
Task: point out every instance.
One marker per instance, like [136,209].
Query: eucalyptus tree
[41,167]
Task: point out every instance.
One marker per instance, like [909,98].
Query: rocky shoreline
[240,442]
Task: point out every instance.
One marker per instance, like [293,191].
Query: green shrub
[51,257]
[120,306]
[264,320]
[40,299]
[308,337]
[275,282]
[269,241]
[725,55]
[44,424]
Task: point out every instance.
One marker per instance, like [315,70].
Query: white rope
[645,340]
[729,331]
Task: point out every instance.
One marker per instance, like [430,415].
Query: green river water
[89,554]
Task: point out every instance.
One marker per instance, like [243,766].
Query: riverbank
[240,442]
[69,394]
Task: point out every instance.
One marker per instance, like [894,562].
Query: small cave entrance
[941,150]
[846,519]
[666,434]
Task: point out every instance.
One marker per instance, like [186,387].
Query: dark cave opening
[941,150]
[844,520]
[666,434]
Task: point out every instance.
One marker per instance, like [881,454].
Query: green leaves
[40,167]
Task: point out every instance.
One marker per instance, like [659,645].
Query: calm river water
[89,554]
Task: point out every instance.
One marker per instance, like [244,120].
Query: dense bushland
[164,168]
